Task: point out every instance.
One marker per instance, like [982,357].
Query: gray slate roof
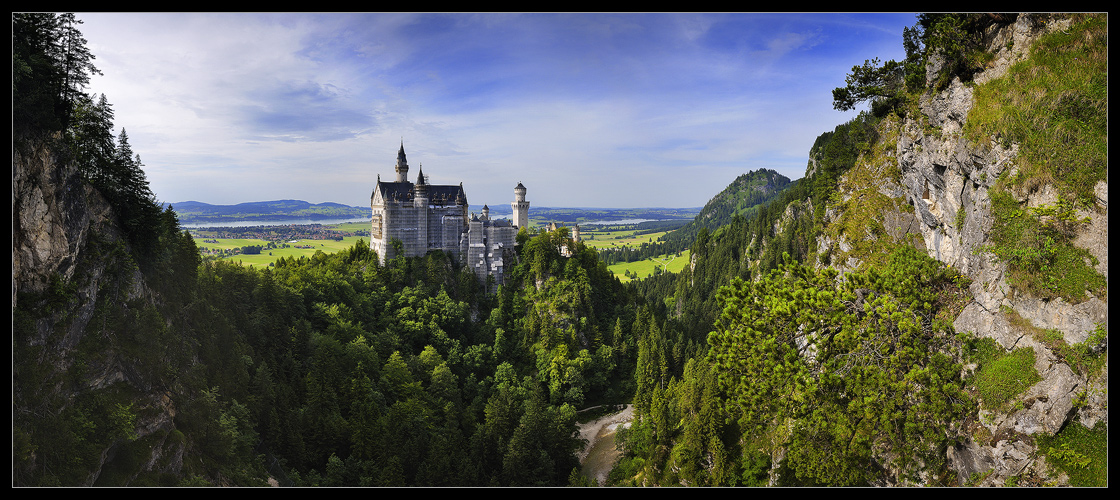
[405,191]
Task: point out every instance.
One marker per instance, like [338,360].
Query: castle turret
[520,207]
[402,165]
[421,213]
[421,190]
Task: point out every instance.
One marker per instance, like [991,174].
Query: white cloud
[228,108]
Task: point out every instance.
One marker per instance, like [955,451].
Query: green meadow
[268,256]
[597,239]
[645,268]
[600,240]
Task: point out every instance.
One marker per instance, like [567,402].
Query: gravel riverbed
[599,455]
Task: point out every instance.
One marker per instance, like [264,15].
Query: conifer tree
[90,137]
[857,366]
[51,67]
[76,63]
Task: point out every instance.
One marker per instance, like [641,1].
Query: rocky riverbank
[600,454]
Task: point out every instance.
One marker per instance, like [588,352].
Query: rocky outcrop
[51,217]
[944,181]
[947,181]
[1012,44]
[65,242]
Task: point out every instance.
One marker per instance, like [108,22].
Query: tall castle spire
[402,165]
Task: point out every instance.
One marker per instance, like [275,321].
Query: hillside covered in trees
[925,307]
[884,321]
[741,198]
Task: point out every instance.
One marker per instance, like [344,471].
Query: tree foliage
[336,370]
[858,365]
[873,81]
[954,40]
[957,40]
[51,66]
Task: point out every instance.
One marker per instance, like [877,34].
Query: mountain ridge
[196,212]
[741,198]
[193,212]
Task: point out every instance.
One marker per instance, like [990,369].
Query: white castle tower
[520,207]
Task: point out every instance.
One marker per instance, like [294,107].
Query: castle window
[375,227]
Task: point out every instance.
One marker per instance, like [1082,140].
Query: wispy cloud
[617,110]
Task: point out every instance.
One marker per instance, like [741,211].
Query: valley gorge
[136,364]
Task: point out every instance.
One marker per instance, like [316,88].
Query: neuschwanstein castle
[426,217]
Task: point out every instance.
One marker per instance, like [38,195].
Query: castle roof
[406,191]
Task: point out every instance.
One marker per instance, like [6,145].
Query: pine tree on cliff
[51,66]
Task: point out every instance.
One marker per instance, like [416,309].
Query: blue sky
[587,110]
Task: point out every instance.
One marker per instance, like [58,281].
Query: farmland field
[601,240]
[607,237]
[270,255]
[645,268]
[598,239]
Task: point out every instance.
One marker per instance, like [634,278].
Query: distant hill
[195,212]
[579,215]
[742,197]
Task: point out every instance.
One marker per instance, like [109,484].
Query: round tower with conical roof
[520,207]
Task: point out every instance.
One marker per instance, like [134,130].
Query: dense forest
[759,364]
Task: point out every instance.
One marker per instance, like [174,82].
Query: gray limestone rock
[970,459]
[1095,400]
[946,180]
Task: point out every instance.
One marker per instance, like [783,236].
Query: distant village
[276,234]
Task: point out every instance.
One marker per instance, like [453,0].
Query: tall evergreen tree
[90,137]
[35,74]
[51,67]
[76,62]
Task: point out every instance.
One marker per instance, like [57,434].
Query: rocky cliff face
[51,217]
[942,186]
[69,264]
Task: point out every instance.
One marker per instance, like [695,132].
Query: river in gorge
[599,456]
